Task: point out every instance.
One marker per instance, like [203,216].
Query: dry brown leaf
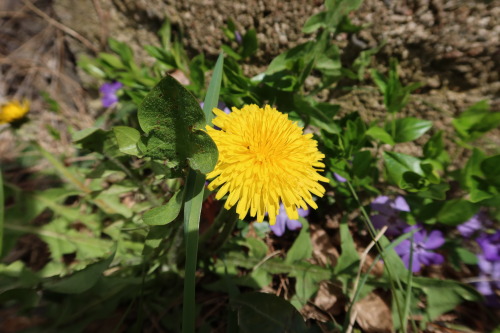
[323,251]
[373,314]
[330,298]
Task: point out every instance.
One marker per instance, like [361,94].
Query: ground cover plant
[235,203]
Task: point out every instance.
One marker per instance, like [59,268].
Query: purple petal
[403,248]
[435,240]
[381,204]
[415,265]
[468,228]
[339,178]
[379,221]
[109,100]
[293,224]
[490,250]
[418,237]
[484,286]
[430,258]
[303,212]
[279,227]
[400,204]
[484,265]
[237,37]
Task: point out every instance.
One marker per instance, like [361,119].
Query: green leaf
[398,164]
[491,169]
[127,138]
[83,280]
[266,313]
[456,211]
[409,129]
[167,213]
[476,121]
[380,134]
[174,122]
[302,247]
[212,97]
[444,295]
[314,22]
[348,260]
[250,44]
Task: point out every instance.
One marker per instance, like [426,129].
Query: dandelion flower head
[264,160]
[13,111]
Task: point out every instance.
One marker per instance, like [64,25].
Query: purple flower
[108,91]
[237,37]
[339,178]
[490,244]
[388,214]
[283,221]
[221,105]
[488,280]
[475,223]
[422,246]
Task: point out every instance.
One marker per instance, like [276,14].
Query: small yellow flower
[264,159]
[13,111]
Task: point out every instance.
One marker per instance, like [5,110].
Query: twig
[61,26]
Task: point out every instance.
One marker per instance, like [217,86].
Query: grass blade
[192,208]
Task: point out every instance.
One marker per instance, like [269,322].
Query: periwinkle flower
[490,244]
[284,222]
[238,38]
[422,253]
[108,91]
[388,214]
[474,224]
[339,178]
[221,106]
[488,280]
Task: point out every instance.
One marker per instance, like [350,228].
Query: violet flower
[238,38]
[339,178]
[388,214]
[490,244]
[475,223]
[488,280]
[423,245]
[221,106]
[283,222]
[108,91]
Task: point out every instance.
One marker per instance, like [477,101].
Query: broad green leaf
[266,313]
[249,43]
[81,281]
[456,211]
[444,295]
[398,164]
[348,260]
[380,134]
[314,22]
[491,169]
[476,121]
[302,247]
[167,213]
[409,129]
[306,285]
[127,138]
[174,122]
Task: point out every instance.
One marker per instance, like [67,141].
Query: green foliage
[173,123]
[120,221]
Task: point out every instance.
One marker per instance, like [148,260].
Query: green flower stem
[192,209]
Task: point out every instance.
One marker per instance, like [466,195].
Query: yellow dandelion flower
[13,111]
[264,159]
